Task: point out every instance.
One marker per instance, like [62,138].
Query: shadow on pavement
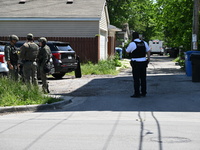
[165,93]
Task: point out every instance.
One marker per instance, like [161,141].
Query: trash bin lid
[195,55]
[190,52]
[118,48]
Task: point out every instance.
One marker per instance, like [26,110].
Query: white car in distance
[3,65]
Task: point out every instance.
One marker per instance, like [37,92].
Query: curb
[35,108]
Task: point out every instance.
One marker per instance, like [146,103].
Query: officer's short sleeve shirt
[132,46]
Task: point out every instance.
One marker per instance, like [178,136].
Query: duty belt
[29,60]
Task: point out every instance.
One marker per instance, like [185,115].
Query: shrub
[181,61]
[102,67]
[17,93]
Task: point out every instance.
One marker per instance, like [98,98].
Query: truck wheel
[77,72]
[58,75]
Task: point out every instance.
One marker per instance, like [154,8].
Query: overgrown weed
[14,93]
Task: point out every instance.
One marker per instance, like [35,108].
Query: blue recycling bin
[119,51]
[188,63]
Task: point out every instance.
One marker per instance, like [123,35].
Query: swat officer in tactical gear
[43,58]
[138,50]
[28,53]
[11,56]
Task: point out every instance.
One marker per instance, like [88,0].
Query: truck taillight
[57,55]
[2,59]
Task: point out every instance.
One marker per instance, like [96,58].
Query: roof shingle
[51,9]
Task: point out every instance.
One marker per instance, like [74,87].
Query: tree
[174,19]
[168,20]
[137,13]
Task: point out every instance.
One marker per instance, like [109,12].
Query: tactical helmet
[42,40]
[30,36]
[14,37]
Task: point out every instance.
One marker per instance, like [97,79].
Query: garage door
[103,45]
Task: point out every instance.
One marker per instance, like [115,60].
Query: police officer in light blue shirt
[138,50]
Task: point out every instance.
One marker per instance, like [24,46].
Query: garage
[103,45]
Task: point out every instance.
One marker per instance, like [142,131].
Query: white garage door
[103,45]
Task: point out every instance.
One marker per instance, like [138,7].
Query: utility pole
[195,26]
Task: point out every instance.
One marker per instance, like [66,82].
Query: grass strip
[17,93]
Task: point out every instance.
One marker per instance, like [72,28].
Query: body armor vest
[13,55]
[140,50]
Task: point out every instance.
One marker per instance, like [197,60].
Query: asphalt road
[102,116]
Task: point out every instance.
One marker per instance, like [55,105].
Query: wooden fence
[88,49]
[111,46]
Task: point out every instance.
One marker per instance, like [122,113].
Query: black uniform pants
[139,77]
